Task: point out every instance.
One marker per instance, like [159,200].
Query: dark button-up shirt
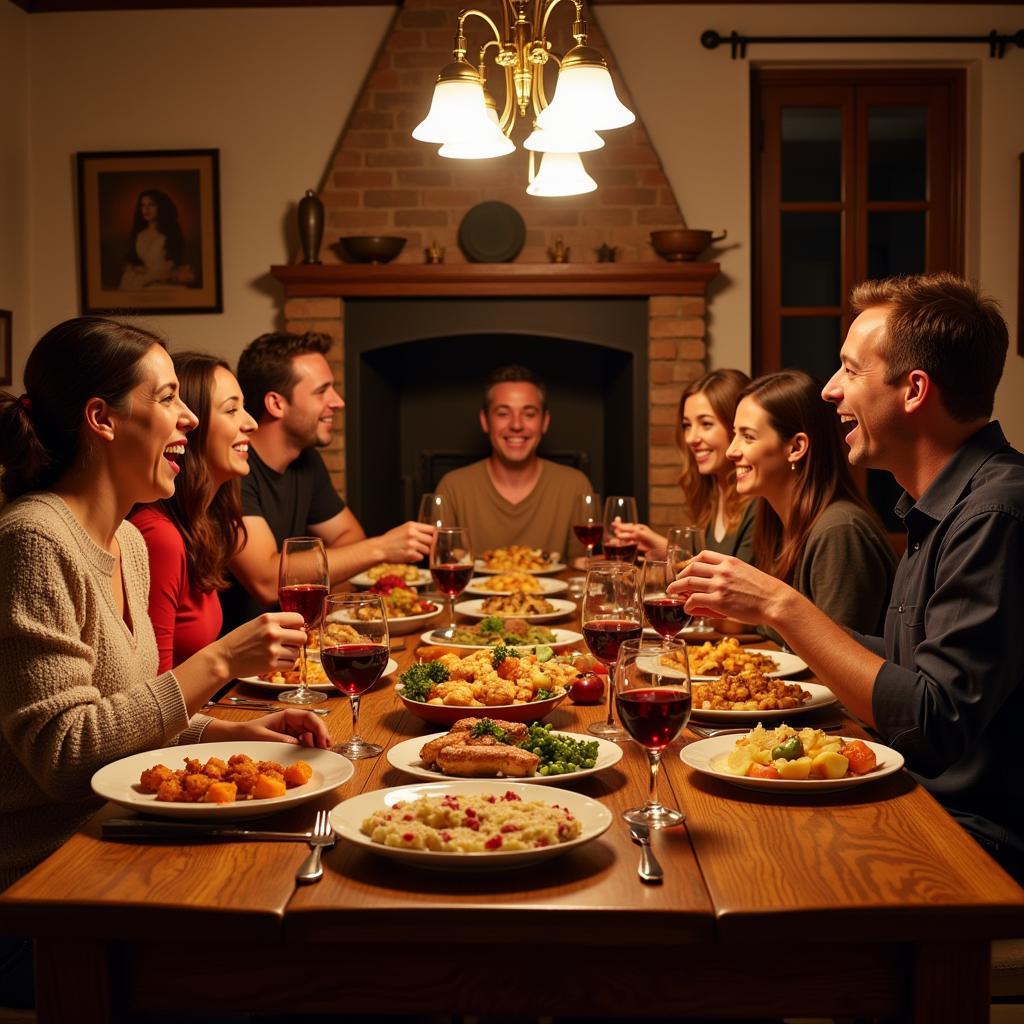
[949,696]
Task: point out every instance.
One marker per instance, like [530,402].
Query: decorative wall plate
[492,232]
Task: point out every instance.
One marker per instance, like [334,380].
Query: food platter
[708,757]
[788,664]
[481,585]
[447,714]
[349,815]
[423,579]
[405,756]
[563,638]
[821,696]
[119,781]
[266,684]
[555,566]
[474,610]
[399,625]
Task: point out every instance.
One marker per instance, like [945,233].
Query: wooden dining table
[868,901]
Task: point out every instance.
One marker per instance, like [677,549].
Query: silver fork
[705,733]
[311,870]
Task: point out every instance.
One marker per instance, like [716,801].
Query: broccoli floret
[418,681]
[486,727]
[500,653]
[492,624]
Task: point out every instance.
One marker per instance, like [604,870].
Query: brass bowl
[677,244]
[369,248]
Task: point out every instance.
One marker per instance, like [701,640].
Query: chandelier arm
[540,99]
[549,8]
[463,15]
[508,115]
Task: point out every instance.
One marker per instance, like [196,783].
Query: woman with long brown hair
[813,530]
[193,534]
[708,479]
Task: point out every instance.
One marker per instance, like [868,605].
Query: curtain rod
[997,42]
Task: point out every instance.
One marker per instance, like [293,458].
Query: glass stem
[611,696]
[450,601]
[302,671]
[654,759]
[354,704]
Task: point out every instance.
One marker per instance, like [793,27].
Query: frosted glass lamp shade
[561,174]
[584,95]
[479,139]
[563,139]
[458,101]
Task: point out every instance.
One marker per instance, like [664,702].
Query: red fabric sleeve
[168,578]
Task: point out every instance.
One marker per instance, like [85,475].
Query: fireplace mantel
[352,280]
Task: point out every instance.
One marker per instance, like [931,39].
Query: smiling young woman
[192,534]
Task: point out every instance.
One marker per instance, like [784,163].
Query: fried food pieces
[224,782]
[517,604]
[726,656]
[748,690]
[516,557]
[514,583]
[475,681]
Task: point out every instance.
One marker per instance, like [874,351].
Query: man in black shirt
[920,366]
[289,390]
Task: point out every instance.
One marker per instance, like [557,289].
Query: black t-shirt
[290,502]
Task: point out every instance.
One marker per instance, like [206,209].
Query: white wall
[269,88]
[14,179]
[696,107]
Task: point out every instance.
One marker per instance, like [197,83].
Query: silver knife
[137,828]
[649,869]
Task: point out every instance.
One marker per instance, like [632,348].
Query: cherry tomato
[587,688]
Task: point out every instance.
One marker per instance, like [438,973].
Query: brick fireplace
[381,181]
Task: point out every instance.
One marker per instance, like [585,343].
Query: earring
[792,467]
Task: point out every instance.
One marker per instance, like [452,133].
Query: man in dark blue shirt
[920,366]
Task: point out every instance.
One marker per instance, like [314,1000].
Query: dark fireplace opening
[414,376]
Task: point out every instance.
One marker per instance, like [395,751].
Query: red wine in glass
[653,717]
[666,615]
[451,579]
[605,636]
[354,668]
[305,598]
[619,551]
[588,534]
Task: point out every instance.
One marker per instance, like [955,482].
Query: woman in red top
[192,535]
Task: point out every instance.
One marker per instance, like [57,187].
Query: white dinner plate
[401,624]
[405,756]
[482,585]
[349,815]
[474,610]
[708,757]
[563,638]
[788,664]
[265,684]
[555,566]
[423,579]
[119,781]
[821,696]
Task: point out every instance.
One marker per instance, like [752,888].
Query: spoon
[649,869]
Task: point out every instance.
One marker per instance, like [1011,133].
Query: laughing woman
[813,528]
[192,534]
[95,434]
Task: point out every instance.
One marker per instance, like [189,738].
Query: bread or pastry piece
[515,731]
[471,760]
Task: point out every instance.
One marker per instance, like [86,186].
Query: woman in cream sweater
[100,429]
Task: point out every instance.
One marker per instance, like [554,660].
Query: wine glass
[436,509]
[302,585]
[356,663]
[653,702]
[588,522]
[683,544]
[451,565]
[611,613]
[664,612]
[622,508]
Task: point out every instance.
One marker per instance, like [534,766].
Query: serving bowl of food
[369,248]
[678,244]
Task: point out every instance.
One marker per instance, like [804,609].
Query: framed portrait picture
[149,231]
[6,344]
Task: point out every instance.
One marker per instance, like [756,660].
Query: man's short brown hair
[942,324]
[265,365]
[513,373]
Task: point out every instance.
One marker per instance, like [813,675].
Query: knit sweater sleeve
[60,720]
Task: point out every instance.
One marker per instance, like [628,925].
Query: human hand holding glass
[588,522]
[610,614]
[355,665]
[451,565]
[618,508]
[302,585]
[653,702]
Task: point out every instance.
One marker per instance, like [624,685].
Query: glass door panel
[812,153]
[812,343]
[811,259]
[896,243]
[897,153]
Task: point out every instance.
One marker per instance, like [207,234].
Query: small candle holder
[435,254]
[606,253]
[559,252]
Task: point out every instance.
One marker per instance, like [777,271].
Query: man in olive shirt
[514,496]
[943,686]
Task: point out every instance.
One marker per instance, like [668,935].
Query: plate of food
[405,609]
[492,748]
[253,779]
[503,632]
[532,607]
[498,682]
[316,677]
[475,824]
[712,660]
[755,696]
[515,583]
[791,760]
[516,558]
[411,574]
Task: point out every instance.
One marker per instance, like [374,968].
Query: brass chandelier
[463,117]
